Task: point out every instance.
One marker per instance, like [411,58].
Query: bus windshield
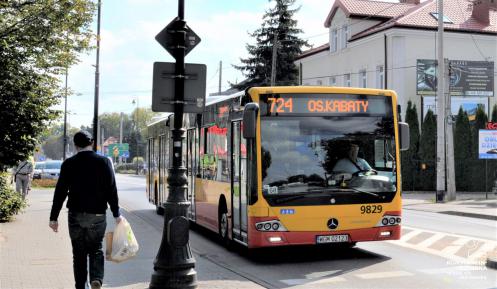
[303,154]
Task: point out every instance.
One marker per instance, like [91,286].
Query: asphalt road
[428,256]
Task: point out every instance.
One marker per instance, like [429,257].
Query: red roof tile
[458,11]
[368,8]
[314,50]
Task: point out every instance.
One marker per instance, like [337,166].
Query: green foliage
[410,158]
[257,67]
[463,143]
[11,202]
[428,152]
[38,40]
[477,166]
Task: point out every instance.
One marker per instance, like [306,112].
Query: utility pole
[274,58]
[64,153]
[220,75]
[451,175]
[97,84]
[440,197]
[174,264]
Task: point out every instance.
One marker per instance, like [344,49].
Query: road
[436,251]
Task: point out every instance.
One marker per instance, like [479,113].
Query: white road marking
[381,275]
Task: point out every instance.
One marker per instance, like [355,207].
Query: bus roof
[219,98]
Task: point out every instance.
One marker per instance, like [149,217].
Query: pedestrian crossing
[463,249]
[464,255]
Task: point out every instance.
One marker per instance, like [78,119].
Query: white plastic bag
[124,244]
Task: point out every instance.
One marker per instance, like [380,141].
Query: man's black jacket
[88,180]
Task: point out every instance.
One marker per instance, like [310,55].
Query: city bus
[279,166]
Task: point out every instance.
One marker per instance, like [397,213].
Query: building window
[333,81]
[345,35]
[380,77]
[363,80]
[346,80]
[319,82]
[334,40]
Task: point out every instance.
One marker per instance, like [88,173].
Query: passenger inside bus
[351,163]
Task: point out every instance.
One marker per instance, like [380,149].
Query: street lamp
[97,84]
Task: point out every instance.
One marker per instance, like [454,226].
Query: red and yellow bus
[276,166]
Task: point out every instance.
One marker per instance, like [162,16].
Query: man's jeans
[87,232]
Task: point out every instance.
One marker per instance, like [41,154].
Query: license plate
[332,239]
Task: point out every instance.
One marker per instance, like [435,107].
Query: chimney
[481,10]
[416,2]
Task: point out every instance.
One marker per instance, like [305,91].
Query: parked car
[51,170]
[39,166]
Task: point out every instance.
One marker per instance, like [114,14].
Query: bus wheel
[223,226]
[159,210]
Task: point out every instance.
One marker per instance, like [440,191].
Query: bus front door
[239,183]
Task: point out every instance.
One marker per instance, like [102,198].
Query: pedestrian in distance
[22,177]
[88,181]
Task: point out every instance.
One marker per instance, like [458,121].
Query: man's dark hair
[82,139]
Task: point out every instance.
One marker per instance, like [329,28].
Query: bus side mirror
[250,120]
[404,136]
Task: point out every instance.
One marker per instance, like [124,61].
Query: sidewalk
[34,257]
[473,205]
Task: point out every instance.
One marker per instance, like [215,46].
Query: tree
[428,151]
[257,67]
[410,158]
[38,40]
[479,180]
[463,144]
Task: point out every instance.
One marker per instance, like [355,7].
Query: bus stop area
[35,257]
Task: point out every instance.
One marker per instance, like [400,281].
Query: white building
[378,45]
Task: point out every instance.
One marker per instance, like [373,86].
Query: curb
[492,262]
[470,215]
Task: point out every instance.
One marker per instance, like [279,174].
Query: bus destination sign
[332,104]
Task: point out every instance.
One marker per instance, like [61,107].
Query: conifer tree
[428,152]
[463,144]
[478,166]
[410,158]
[257,66]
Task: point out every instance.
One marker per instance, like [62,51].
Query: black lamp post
[174,264]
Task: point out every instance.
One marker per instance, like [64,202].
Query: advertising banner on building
[467,78]
[468,104]
[487,144]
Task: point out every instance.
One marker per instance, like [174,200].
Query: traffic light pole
[174,264]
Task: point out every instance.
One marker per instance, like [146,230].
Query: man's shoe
[96,284]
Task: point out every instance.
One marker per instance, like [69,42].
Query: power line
[471,34]
[354,73]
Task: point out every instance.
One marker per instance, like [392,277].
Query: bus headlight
[270,226]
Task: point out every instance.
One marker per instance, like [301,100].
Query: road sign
[125,154]
[167,36]
[163,87]
[487,144]
[117,150]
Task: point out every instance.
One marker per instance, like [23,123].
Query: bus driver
[352,164]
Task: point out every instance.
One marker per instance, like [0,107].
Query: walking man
[88,181]
[22,176]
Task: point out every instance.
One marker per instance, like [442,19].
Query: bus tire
[223,223]
[159,210]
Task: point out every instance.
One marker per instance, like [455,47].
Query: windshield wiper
[346,190]
[366,192]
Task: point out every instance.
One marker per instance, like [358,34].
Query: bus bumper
[259,239]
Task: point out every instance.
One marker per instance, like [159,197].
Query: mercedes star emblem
[332,223]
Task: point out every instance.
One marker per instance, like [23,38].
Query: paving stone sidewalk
[33,257]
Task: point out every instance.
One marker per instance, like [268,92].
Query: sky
[129,49]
